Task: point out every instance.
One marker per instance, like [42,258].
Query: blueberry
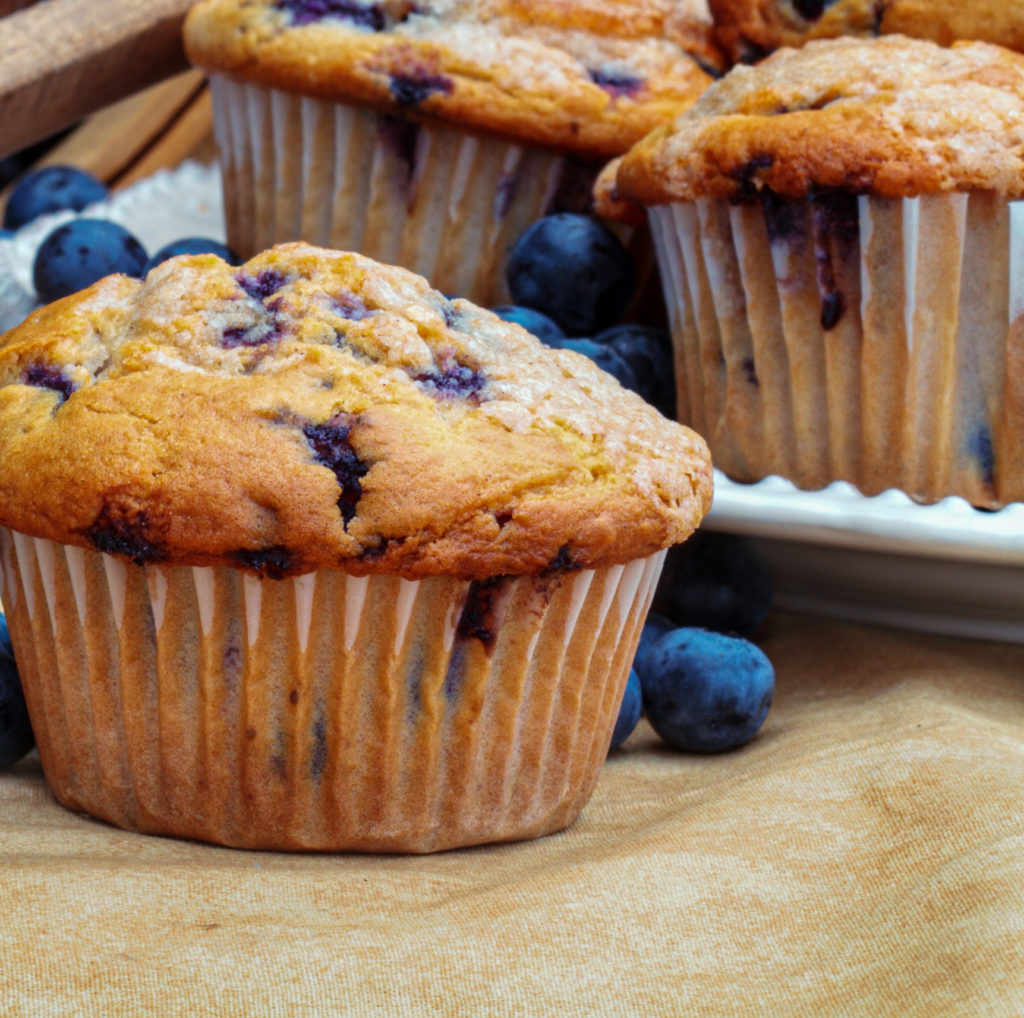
[533,321]
[707,692]
[16,737]
[605,358]
[655,627]
[647,349]
[82,251]
[51,189]
[189,246]
[574,269]
[629,711]
[715,581]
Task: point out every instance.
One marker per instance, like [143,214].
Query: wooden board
[61,60]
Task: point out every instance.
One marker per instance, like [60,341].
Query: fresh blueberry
[82,251]
[629,711]
[574,269]
[191,246]
[51,189]
[715,581]
[647,349]
[605,358]
[16,737]
[655,627]
[533,321]
[707,692]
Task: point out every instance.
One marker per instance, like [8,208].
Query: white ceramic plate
[944,568]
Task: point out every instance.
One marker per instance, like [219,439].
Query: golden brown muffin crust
[590,77]
[893,117]
[748,30]
[317,409]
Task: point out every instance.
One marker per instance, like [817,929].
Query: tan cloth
[863,856]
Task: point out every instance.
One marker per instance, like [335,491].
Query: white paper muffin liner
[443,203]
[325,711]
[869,340]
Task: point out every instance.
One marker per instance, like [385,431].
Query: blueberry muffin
[430,135]
[304,555]
[838,229]
[748,30]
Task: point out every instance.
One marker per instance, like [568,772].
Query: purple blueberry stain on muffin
[318,746]
[785,220]
[749,369]
[351,307]
[616,83]
[274,562]
[124,532]
[452,380]
[505,193]
[48,376]
[981,449]
[477,621]
[748,175]
[264,284]
[811,10]
[332,447]
[260,333]
[835,224]
[400,137]
[561,562]
[306,12]
[413,87]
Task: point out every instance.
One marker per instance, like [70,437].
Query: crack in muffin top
[316,409]
[892,117]
[587,76]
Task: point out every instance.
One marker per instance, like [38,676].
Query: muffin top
[316,409]
[893,117]
[586,76]
[747,30]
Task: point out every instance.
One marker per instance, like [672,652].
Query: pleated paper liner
[325,711]
[869,340]
[444,203]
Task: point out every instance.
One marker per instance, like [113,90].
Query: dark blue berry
[629,711]
[191,246]
[16,737]
[655,627]
[535,322]
[707,692]
[715,581]
[605,358]
[647,349]
[51,189]
[82,251]
[575,270]
[6,234]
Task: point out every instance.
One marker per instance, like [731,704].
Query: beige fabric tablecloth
[863,856]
